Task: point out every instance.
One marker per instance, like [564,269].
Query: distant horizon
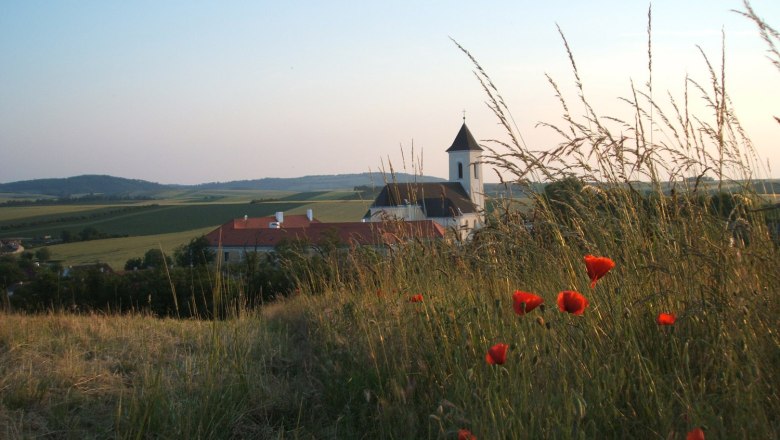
[216,181]
[680,179]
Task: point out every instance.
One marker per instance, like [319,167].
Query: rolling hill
[118,186]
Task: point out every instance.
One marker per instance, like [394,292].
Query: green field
[220,195]
[116,251]
[169,221]
[335,211]
[10,214]
[153,219]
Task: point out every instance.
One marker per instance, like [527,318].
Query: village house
[401,212]
[262,234]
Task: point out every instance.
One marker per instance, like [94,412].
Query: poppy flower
[465,434]
[572,302]
[665,319]
[524,302]
[696,434]
[496,354]
[416,298]
[597,268]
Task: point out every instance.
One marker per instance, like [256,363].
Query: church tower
[466,166]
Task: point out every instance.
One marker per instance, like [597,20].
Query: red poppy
[665,319]
[416,298]
[465,434]
[572,302]
[597,268]
[496,354]
[524,302]
[696,434]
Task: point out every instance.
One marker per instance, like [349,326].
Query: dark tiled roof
[464,141]
[357,233]
[446,199]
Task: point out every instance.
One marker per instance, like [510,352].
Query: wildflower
[416,298]
[572,302]
[465,434]
[524,302]
[496,354]
[597,268]
[665,319]
[695,434]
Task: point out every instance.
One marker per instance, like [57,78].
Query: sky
[201,91]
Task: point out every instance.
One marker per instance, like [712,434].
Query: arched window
[460,170]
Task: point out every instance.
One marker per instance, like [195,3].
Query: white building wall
[466,169]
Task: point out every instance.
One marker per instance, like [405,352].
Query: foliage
[156,259]
[195,253]
[134,263]
[43,254]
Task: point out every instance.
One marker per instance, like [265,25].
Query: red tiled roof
[290,221]
[358,233]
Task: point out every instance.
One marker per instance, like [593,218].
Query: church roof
[464,141]
[437,199]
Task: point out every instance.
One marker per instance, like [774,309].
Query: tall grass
[391,368]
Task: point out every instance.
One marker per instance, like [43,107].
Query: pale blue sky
[194,91]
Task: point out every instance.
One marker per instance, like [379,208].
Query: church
[458,204]
[401,212]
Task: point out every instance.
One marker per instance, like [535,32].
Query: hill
[316,182]
[80,185]
[118,186]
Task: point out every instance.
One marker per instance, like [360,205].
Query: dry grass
[66,376]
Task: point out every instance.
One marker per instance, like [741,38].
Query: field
[169,221]
[116,251]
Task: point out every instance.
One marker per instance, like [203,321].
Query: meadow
[515,333]
[168,221]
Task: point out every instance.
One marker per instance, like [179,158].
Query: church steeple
[466,165]
[464,141]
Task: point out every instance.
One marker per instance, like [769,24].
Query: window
[460,170]
[476,176]
[227,256]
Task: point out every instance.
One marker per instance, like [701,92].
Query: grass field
[11,214]
[223,196]
[116,251]
[321,196]
[171,221]
[332,211]
[158,219]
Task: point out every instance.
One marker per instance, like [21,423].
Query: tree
[89,233]
[43,254]
[134,263]
[154,258]
[67,236]
[196,253]
[10,273]
[564,191]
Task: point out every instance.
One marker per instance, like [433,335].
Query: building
[457,204]
[401,212]
[262,234]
